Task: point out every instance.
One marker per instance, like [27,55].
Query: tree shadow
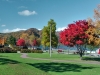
[91,58]
[59,67]
[7,61]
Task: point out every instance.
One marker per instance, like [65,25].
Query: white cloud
[60,29]
[13,30]
[39,29]
[27,13]
[22,7]
[3,25]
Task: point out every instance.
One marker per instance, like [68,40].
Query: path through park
[25,55]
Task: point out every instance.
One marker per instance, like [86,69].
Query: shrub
[1,50]
[13,51]
[17,48]
[1,46]
[25,47]
[37,51]
[7,50]
[25,51]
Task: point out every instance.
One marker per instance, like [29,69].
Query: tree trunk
[90,52]
[81,55]
[81,50]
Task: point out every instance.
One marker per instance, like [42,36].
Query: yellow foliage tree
[31,38]
[25,36]
[93,36]
[94,28]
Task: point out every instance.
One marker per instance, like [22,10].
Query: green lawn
[58,56]
[12,64]
[55,56]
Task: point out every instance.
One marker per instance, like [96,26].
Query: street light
[50,40]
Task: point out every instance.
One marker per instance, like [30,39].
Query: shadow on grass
[7,61]
[91,58]
[59,67]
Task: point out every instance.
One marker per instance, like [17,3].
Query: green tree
[46,34]
[11,41]
[45,40]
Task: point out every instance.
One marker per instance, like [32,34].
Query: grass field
[13,64]
[55,56]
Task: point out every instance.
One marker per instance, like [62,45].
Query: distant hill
[34,31]
[30,31]
[17,34]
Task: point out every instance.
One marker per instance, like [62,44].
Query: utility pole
[50,40]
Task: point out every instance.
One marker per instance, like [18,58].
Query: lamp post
[50,40]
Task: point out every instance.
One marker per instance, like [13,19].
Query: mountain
[36,32]
[17,34]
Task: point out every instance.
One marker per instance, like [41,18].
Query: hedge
[37,51]
[31,51]
[7,50]
[10,50]
[25,51]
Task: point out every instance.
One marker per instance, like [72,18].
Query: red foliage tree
[21,42]
[75,35]
[35,42]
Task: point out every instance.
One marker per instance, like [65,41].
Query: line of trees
[31,40]
[22,41]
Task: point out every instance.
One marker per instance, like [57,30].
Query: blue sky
[24,14]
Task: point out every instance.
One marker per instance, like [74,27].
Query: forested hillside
[31,31]
[17,34]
